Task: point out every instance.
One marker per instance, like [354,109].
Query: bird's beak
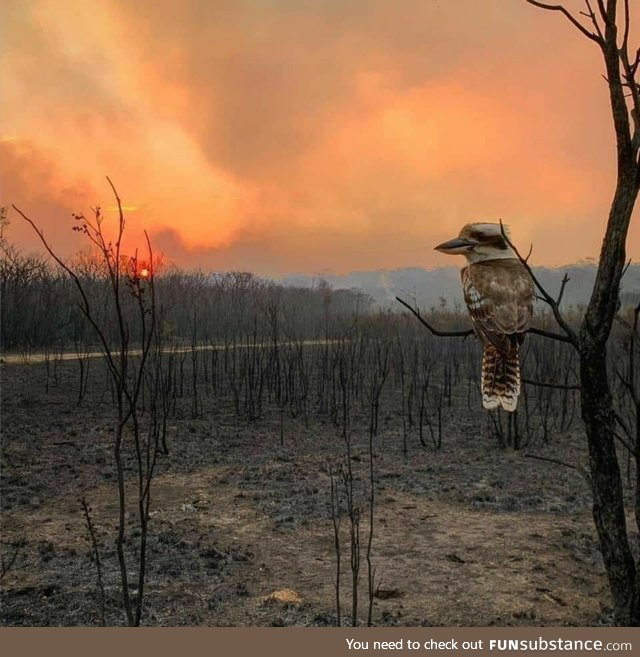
[456,245]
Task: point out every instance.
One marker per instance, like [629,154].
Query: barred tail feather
[500,378]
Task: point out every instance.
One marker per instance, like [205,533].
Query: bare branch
[571,335]
[84,306]
[5,566]
[578,468]
[636,62]
[463,334]
[630,69]
[86,509]
[548,459]
[548,334]
[440,334]
[603,12]
[530,252]
[563,284]
[556,386]
[590,14]
[628,384]
[569,15]
[627,445]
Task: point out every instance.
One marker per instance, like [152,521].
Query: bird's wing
[499,295]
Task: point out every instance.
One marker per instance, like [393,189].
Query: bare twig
[5,566]
[96,555]
[548,459]
[563,284]
[591,14]
[84,306]
[336,518]
[556,386]
[434,331]
[467,332]
[603,12]
[553,304]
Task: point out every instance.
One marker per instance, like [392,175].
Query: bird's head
[479,241]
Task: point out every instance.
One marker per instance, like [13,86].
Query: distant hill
[430,287]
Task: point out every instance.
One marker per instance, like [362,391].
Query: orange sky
[306,135]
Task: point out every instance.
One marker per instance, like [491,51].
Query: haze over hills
[430,287]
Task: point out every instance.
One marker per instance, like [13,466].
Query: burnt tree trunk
[609,27]
[606,482]
[597,404]
[598,410]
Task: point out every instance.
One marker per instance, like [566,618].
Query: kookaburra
[499,294]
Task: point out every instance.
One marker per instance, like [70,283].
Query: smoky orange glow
[284,136]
